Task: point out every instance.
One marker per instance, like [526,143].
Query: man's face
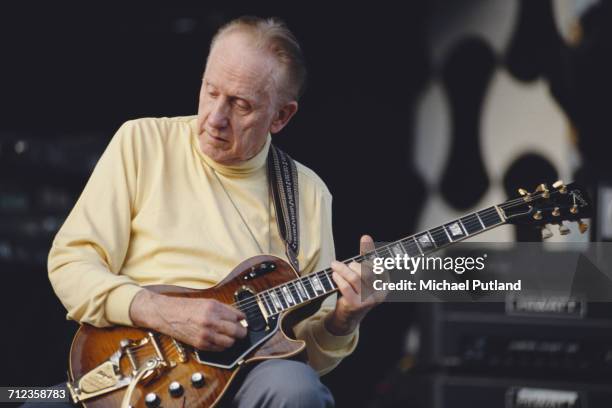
[238,100]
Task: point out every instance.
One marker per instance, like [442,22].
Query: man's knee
[293,381]
[285,383]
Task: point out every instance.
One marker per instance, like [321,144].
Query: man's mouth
[216,138]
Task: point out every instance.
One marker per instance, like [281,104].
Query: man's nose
[218,117]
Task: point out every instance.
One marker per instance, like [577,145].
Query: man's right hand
[206,324]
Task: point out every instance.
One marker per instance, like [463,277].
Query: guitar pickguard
[259,329]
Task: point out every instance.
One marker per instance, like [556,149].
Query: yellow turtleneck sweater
[153,212]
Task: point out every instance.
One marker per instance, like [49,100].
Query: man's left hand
[351,307]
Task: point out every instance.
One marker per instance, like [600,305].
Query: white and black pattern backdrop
[486,120]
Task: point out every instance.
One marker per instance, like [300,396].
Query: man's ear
[283,115]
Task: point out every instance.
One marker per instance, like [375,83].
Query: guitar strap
[283,179]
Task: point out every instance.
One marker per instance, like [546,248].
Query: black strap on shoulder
[283,179]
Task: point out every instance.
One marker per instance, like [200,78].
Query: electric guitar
[124,366]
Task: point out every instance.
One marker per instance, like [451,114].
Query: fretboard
[317,284]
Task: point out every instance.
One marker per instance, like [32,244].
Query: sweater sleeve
[325,350]
[88,251]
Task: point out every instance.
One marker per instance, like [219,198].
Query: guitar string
[436,232]
[248,305]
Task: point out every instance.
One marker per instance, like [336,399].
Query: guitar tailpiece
[107,376]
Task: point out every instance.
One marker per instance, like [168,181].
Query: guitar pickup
[259,270]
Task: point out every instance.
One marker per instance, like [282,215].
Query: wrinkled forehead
[235,62]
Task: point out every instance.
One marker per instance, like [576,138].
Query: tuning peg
[563,229]
[582,226]
[537,215]
[546,233]
[556,212]
[560,186]
[543,189]
[574,209]
[524,193]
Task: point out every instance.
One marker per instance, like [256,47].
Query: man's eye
[241,105]
[213,94]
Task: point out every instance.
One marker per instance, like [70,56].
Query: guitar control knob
[197,380]
[175,389]
[152,400]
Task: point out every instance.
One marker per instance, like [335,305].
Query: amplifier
[462,391]
[567,339]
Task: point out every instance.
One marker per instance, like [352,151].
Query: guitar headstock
[550,205]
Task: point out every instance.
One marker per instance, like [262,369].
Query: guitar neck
[317,284]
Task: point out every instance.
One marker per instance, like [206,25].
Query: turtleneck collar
[242,169]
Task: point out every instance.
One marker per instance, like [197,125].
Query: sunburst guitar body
[105,361]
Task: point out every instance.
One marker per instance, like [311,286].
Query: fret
[309,289]
[490,217]
[463,227]
[447,234]
[397,249]
[262,300]
[281,298]
[481,223]
[417,245]
[287,295]
[293,292]
[433,241]
[502,215]
[316,284]
[383,252]
[301,290]
[269,302]
[472,224]
[425,242]
[330,283]
[440,238]
[455,231]
[407,245]
[324,282]
[296,293]
[275,300]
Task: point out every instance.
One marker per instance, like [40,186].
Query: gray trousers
[272,383]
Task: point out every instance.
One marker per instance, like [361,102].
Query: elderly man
[183,200]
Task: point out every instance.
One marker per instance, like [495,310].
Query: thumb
[366,244]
